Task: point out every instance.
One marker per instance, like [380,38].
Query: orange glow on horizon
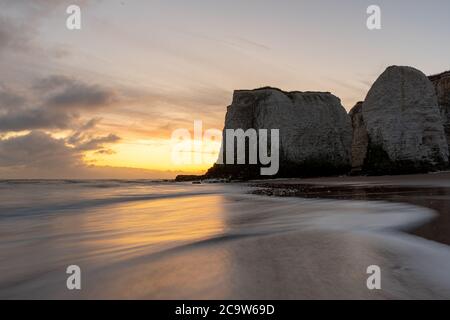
[156,154]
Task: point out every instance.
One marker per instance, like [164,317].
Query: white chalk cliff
[403,126]
[403,122]
[441,84]
[315,129]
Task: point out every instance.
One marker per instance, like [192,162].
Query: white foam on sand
[385,224]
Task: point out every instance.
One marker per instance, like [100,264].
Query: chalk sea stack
[315,131]
[441,84]
[405,132]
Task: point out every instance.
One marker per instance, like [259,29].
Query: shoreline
[225,244]
[431,191]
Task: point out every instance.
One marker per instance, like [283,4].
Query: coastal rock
[441,84]
[315,131]
[360,137]
[188,178]
[404,125]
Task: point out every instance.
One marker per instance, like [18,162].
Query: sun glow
[156,154]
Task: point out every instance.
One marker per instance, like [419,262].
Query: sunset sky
[103,101]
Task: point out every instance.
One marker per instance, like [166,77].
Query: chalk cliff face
[441,84]
[360,137]
[403,122]
[403,126]
[315,130]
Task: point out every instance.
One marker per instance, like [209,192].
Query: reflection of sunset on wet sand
[153,225]
[143,240]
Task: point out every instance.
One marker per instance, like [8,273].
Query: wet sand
[427,190]
[215,242]
[297,265]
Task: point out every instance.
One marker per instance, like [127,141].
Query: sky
[103,101]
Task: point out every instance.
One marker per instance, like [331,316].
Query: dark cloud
[58,103]
[39,150]
[14,37]
[105,151]
[97,143]
[82,139]
[39,155]
[79,134]
[68,93]
[4,36]
[81,96]
[10,99]
[25,119]
[51,83]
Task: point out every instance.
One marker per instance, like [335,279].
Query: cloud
[55,102]
[10,99]
[79,134]
[83,140]
[32,119]
[69,93]
[52,83]
[39,155]
[38,150]
[81,96]
[98,143]
[13,36]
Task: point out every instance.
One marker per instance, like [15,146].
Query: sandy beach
[426,190]
[141,240]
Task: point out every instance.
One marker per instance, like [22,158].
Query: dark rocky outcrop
[315,131]
[404,127]
[188,178]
